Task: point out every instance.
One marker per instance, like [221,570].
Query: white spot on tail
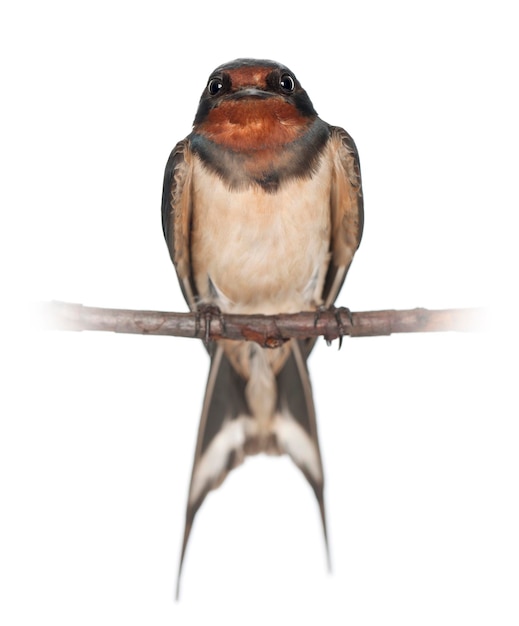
[294,440]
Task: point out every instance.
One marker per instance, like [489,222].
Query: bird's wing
[176,215]
[347,218]
[347,212]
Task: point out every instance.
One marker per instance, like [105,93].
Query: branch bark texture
[268,331]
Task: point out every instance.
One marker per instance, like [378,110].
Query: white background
[418,433]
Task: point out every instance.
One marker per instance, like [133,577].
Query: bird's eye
[214,86]
[287,83]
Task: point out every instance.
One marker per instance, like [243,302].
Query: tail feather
[230,430]
[218,441]
[295,403]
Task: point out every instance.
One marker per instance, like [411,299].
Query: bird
[262,213]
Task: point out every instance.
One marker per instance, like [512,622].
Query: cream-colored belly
[257,252]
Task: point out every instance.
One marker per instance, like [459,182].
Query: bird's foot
[207,312]
[337,312]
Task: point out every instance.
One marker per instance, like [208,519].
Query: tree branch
[268,331]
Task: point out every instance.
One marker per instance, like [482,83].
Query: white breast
[262,252]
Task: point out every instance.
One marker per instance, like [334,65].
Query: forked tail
[268,412]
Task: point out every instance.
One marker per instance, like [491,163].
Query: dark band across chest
[268,168]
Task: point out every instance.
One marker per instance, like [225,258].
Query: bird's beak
[251,92]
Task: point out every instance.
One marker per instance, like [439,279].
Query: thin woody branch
[267,330]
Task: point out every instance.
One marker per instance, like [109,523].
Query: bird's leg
[337,311]
[340,326]
[208,311]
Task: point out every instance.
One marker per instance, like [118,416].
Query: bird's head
[251,104]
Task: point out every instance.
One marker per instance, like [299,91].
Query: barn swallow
[262,212]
